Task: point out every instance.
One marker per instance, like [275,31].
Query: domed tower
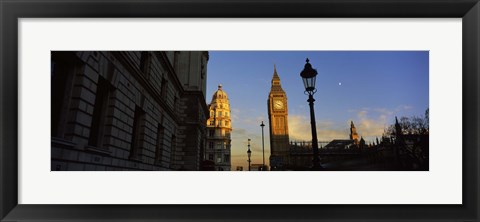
[219,128]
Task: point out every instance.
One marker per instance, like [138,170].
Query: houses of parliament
[395,150]
[287,155]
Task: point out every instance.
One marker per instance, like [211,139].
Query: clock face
[278,104]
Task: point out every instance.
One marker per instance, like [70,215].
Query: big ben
[278,118]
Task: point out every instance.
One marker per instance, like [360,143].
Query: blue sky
[368,87]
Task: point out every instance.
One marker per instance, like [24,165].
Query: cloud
[255,121]
[235,115]
[384,111]
[240,138]
[239,153]
[300,129]
[240,131]
[371,122]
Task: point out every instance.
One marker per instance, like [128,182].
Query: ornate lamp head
[308,75]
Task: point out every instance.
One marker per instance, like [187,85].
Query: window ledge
[98,150]
[56,141]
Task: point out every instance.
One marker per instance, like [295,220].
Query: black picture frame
[11,11]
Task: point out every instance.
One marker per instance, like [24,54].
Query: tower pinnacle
[353,133]
[275,75]
[276,80]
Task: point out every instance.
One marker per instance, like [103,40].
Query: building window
[138,123]
[211,133]
[226,122]
[176,58]
[172,150]
[279,123]
[99,113]
[210,157]
[163,87]
[220,123]
[212,122]
[227,158]
[175,99]
[145,59]
[61,76]
[220,113]
[159,147]
[210,145]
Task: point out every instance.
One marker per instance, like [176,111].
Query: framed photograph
[154,109]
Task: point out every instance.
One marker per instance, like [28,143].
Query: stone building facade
[134,110]
[219,129]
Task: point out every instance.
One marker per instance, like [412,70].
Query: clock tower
[278,118]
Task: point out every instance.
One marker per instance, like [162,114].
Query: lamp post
[263,148]
[308,75]
[249,153]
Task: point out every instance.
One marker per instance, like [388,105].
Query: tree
[413,125]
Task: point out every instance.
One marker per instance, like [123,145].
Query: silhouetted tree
[413,125]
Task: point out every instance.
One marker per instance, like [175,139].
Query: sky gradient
[369,88]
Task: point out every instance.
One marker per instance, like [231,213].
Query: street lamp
[249,153]
[263,147]
[308,75]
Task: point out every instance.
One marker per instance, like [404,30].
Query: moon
[339,83]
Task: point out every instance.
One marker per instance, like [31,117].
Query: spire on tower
[276,86]
[275,75]
[353,133]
